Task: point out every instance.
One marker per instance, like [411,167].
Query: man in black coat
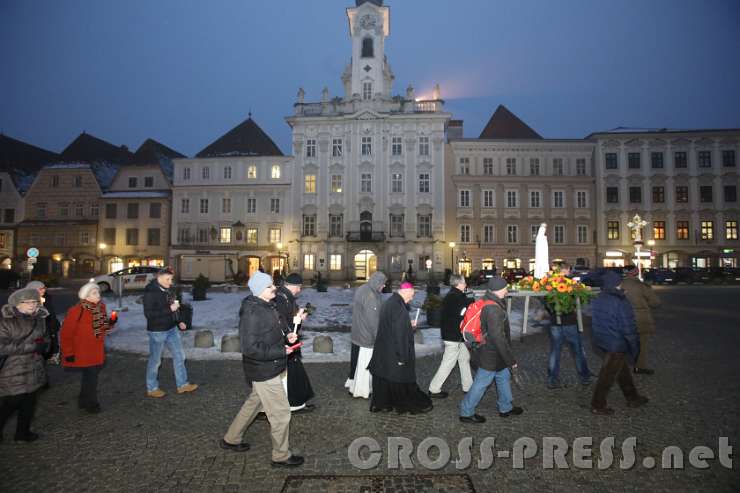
[493,357]
[264,355]
[456,353]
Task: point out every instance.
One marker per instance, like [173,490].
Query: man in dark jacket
[493,356]
[456,353]
[614,332]
[264,354]
[161,312]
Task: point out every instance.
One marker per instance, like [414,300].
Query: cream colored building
[501,186]
[11,213]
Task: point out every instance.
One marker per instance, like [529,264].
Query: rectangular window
[202,235]
[610,160]
[512,233]
[186,174]
[612,230]
[84,238]
[731,230]
[512,199]
[206,173]
[274,235]
[730,193]
[78,182]
[367,90]
[656,160]
[396,146]
[465,233]
[148,182]
[464,166]
[132,181]
[559,233]
[59,239]
[252,172]
[335,261]
[423,146]
[366,146]
[464,200]
[227,172]
[582,233]
[682,194]
[110,211]
[308,261]
[488,232]
[3,240]
[557,167]
[132,211]
[535,201]
[488,199]
[581,199]
[510,166]
[155,210]
[424,182]
[728,158]
[41,209]
[707,230]
[9,216]
[251,206]
[251,236]
[204,206]
[705,194]
[682,230]
[558,199]
[612,195]
[335,226]
[310,147]
[336,147]
[659,230]
[658,195]
[309,184]
[94,210]
[54,181]
[275,172]
[132,236]
[109,236]
[366,183]
[534,167]
[705,159]
[580,167]
[152,237]
[396,225]
[275,205]
[680,159]
[635,195]
[633,160]
[63,209]
[487,166]
[336,183]
[183,235]
[226,205]
[309,225]
[80,209]
[396,183]
[424,226]
[533,229]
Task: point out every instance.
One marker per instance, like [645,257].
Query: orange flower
[548,287]
[562,288]
[570,289]
[536,286]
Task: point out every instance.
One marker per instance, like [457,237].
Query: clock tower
[368,74]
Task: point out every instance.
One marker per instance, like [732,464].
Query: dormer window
[367,48]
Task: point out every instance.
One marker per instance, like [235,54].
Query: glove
[70,359]
[42,346]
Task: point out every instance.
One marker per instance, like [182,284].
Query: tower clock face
[368,21]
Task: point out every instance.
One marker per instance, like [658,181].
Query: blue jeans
[157,341]
[569,334]
[483,379]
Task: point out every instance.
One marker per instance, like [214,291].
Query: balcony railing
[372,236]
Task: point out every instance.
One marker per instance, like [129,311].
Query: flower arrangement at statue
[561,292]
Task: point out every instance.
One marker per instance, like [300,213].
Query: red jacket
[78,339]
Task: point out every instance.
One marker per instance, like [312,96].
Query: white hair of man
[456,280]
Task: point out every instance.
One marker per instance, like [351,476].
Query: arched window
[367,48]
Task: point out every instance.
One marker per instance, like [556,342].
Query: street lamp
[452,256]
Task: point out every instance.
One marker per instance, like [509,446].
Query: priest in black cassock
[393,364]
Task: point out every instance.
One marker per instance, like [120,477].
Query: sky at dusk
[185,71]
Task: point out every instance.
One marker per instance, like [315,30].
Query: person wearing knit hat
[52,321]
[22,371]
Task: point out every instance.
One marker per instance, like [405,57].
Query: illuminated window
[275,171]
[309,184]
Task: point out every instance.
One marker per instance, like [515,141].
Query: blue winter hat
[259,282]
[610,280]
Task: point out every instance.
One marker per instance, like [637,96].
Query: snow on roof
[69,166]
[135,195]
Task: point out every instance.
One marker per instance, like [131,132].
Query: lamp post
[286,265]
[636,226]
[452,256]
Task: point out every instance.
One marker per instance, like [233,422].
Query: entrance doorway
[365,264]
[464,267]
[277,264]
[249,265]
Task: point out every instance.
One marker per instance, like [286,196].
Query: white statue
[541,253]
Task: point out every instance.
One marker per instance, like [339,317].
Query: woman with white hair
[83,343]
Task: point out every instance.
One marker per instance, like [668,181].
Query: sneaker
[439,395]
[602,411]
[29,436]
[554,385]
[234,447]
[188,387]
[293,461]
[475,418]
[643,371]
[638,401]
[156,393]
[515,411]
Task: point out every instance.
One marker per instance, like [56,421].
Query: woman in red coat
[83,343]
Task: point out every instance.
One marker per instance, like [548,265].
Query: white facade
[367,187]
[683,183]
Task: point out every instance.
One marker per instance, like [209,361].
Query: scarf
[99,324]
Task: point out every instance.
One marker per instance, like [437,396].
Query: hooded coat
[394,355]
[23,370]
[613,324]
[366,311]
[643,298]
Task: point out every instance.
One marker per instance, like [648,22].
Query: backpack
[470,325]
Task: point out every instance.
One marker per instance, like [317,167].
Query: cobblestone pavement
[141,444]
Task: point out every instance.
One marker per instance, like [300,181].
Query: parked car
[686,274]
[513,275]
[482,276]
[658,276]
[593,278]
[133,278]
[577,272]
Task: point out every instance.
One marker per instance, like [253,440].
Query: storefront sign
[613,254]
